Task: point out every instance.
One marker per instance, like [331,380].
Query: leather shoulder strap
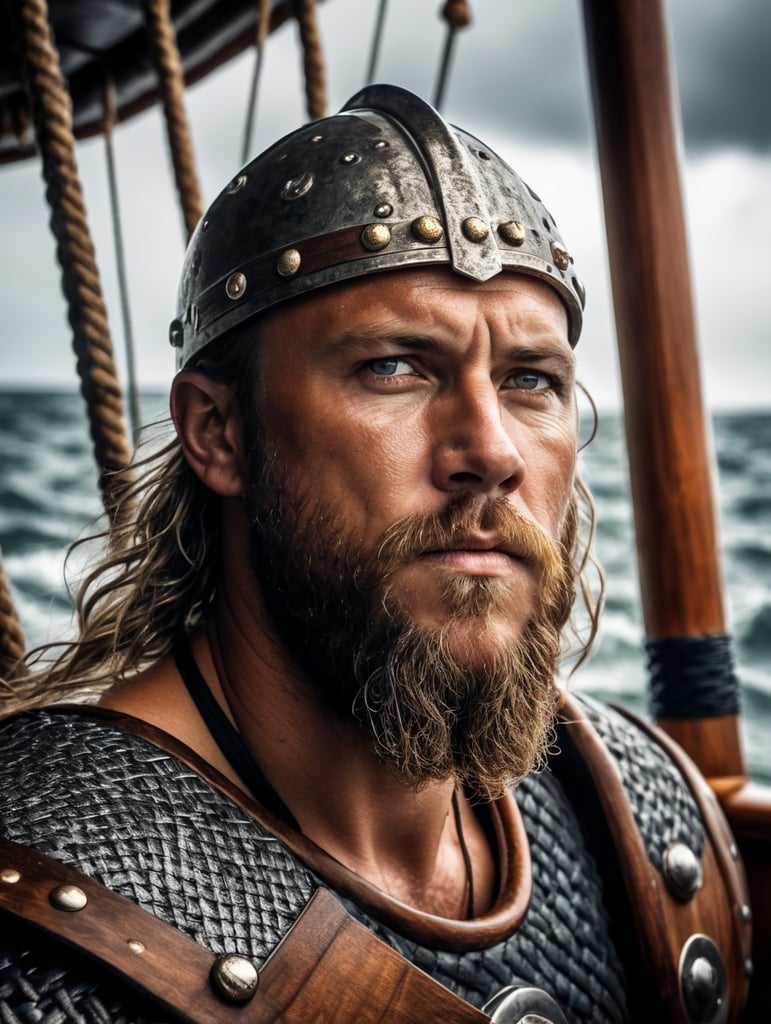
[327,966]
[689,913]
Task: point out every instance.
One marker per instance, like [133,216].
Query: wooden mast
[668,443]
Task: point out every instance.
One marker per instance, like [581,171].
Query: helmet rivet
[296,187]
[383,210]
[236,184]
[288,262]
[475,229]
[427,229]
[375,236]
[235,286]
[234,977]
[316,138]
[380,144]
[350,158]
[512,232]
[561,255]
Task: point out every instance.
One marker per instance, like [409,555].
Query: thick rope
[12,643]
[52,112]
[163,47]
[313,60]
[261,34]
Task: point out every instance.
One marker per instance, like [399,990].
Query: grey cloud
[523,63]
[725,72]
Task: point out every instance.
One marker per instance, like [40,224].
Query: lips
[479,545]
[474,555]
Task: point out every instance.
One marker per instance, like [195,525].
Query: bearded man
[326,636]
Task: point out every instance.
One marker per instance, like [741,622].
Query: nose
[475,449]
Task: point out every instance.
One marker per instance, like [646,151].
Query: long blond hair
[157,573]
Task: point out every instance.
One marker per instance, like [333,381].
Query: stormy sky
[519,82]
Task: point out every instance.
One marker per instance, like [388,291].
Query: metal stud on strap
[524,1005]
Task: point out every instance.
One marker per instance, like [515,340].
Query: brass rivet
[380,144]
[10,876]
[475,229]
[682,871]
[383,210]
[288,262]
[561,255]
[512,232]
[68,897]
[375,236]
[136,946]
[235,286]
[236,185]
[580,291]
[350,158]
[234,977]
[427,229]
[296,187]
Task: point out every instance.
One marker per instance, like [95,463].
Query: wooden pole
[669,452]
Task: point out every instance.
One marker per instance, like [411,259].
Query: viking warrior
[327,771]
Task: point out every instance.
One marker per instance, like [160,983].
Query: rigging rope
[261,34]
[313,60]
[52,114]
[12,643]
[163,47]
[120,261]
[457,14]
[377,38]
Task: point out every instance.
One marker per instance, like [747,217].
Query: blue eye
[388,366]
[530,380]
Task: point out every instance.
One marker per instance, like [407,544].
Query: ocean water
[48,497]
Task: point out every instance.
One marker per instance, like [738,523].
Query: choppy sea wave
[48,497]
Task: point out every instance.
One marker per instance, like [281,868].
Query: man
[330,619]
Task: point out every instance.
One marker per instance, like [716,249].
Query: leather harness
[330,967]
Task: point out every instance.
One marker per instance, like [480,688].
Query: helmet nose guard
[384,184]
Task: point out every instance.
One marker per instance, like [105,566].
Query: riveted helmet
[384,184]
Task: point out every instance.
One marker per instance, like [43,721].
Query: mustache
[516,534]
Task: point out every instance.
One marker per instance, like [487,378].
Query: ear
[210,429]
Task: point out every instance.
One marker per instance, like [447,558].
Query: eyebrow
[422,343]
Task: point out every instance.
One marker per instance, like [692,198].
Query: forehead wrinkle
[376,336]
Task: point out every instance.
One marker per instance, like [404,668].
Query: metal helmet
[384,184]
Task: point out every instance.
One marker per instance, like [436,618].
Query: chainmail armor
[148,827]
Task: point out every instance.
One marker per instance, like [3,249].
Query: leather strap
[327,966]
[663,924]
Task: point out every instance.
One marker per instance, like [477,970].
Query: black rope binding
[692,676]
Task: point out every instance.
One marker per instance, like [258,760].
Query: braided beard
[432,713]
